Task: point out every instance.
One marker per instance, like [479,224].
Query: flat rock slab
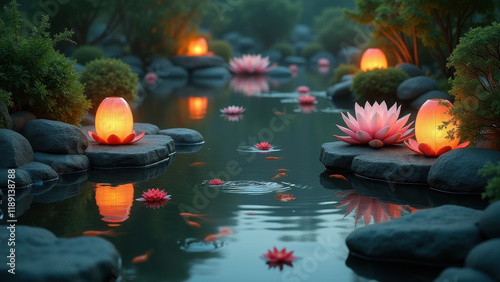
[438,236]
[338,155]
[456,171]
[393,163]
[183,136]
[149,150]
[64,163]
[41,256]
[198,62]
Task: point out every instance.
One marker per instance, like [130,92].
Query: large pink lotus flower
[154,195]
[376,126]
[216,181]
[249,64]
[306,99]
[278,258]
[264,146]
[232,110]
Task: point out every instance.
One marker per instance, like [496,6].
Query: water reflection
[249,85]
[114,202]
[197,107]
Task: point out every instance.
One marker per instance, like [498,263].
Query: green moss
[221,48]
[378,84]
[286,49]
[342,70]
[108,78]
[85,54]
[492,190]
[311,49]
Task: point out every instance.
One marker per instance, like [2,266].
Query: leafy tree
[270,21]
[493,187]
[334,30]
[476,85]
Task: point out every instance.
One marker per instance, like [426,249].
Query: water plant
[279,257]
[154,195]
[232,110]
[249,64]
[263,146]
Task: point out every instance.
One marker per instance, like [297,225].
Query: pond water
[314,225]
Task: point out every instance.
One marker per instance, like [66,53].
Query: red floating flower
[278,258]
[154,195]
[306,99]
[216,181]
[284,197]
[263,146]
[303,89]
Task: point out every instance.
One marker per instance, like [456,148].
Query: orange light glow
[114,202]
[197,107]
[432,141]
[373,58]
[197,47]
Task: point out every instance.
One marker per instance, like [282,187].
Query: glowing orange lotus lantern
[197,107]
[198,47]
[430,140]
[114,123]
[114,202]
[373,58]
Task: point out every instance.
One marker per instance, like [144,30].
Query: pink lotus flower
[293,68]
[323,62]
[303,89]
[249,64]
[150,78]
[232,110]
[154,195]
[306,99]
[216,181]
[376,126]
[284,197]
[278,258]
[263,146]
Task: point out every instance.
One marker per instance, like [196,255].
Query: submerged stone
[183,136]
[438,236]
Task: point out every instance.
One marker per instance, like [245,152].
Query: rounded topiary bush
[342,70]
[221,48]
[39,79]
[108,78]
[311,49]
[286,49]
[85,54]
[378,84]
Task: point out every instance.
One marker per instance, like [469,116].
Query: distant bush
[334,30]
[342,70]
[311,49]
[108,78]
[493,187]
[85,54]
[378,84]
[39,79]
[286,49]
[221,48]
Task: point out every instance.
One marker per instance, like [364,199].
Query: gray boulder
[438,236]
[485,257]
[340,90]
[15,150]
[456,274]
[245,44]
[212,73]
[132,60]
[301,33]
[174,72]
[347,77]
[338,155]
[49,136]
[40,172]
[22,179]
[489,224]
[414,87]
[137,70]
[273,54]
[183,136]
[113,51]
[294,60]
[149,128]
[62,163]
[158,65]
[19,119]
[433,94]
[41,256]
[197,62]
[5,119]
[280,72]
[410,69]
[456,171]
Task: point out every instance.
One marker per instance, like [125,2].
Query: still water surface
[314,225]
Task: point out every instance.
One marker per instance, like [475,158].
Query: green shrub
[334,31]
[85,54]
[475,86]
[286,49]
[221,48]
[40,79]
[493,187]
[108,78]
[311,49]
[378,84]
[342,70]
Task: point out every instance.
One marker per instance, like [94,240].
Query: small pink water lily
[250,64]
[323,62]
[216,181]
[303,89]
[232,110]
[306,99]
[293,67]
[154,195]
[263,146]
[376,126]
[150,78]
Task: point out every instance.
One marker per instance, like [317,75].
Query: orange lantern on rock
[114,202]
[373,58]
[197,107]
[198,47]
[114,123]
[432,141]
